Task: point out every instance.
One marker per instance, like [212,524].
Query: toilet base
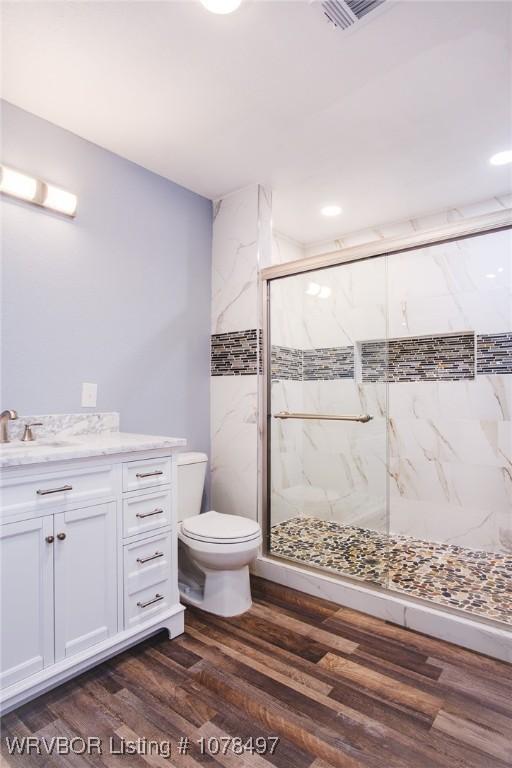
[225,593]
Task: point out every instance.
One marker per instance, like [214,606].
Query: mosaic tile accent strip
[448,357]
[471,580]
[494,353]
[286,364]
[329,363]
[235,353]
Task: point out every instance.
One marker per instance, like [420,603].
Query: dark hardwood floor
[338,687]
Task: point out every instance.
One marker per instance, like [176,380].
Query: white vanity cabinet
[26,594]
[88,558]
[85,578]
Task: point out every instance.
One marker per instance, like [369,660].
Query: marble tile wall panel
[352,308]
[285,249]
[287,463]
[450,455]
[241,243]
[465,285]
[234,444]
[339,468]
[235,262]
[450,461]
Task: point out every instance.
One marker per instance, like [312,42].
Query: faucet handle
[27,434]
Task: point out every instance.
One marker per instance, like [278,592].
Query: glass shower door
[327,417]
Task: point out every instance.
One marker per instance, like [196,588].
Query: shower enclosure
[389,421]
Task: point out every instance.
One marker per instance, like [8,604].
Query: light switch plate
[89,395]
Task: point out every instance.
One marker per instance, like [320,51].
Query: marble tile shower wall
[456,434]
[447,374]
[241,244]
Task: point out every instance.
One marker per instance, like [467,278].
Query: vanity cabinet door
[85,578]
[26,584]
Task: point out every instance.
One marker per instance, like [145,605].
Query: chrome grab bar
[364,418]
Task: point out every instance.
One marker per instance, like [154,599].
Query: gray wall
[119,296]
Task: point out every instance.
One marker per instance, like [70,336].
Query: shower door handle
[363,418]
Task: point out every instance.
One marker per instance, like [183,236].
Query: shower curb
[476,635]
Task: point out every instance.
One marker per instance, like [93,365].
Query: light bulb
[59,200]
[18,184]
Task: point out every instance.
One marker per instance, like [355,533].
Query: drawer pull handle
[141,475]
[156,599]
[41,492]
[142,560]
[149,514]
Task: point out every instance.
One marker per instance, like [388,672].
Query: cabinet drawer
[145,474]
[143,605]
[147,563]
[66,489]
[146,512]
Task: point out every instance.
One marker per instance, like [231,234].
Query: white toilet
[214,549]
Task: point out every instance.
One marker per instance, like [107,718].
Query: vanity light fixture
[221,6]
[330,210]
[24,187]
[501,158]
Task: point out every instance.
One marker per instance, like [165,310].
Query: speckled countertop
[49,449]
[67,436]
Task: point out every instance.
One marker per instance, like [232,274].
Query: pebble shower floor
[471,580]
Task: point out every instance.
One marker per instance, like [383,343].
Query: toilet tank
[191,475]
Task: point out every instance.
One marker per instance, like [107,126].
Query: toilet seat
[217,528]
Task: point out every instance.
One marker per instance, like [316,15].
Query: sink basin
[18,446]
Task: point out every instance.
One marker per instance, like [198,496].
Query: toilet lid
[216,527]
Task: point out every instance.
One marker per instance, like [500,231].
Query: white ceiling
[395,118]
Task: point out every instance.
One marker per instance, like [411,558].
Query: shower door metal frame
[478,225]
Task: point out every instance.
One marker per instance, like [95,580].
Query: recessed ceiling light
[330,210]
[221,6]
[502,158]
[491,276]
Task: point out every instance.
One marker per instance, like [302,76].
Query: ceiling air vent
[345,13]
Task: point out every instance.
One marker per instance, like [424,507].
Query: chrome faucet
[5,417]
